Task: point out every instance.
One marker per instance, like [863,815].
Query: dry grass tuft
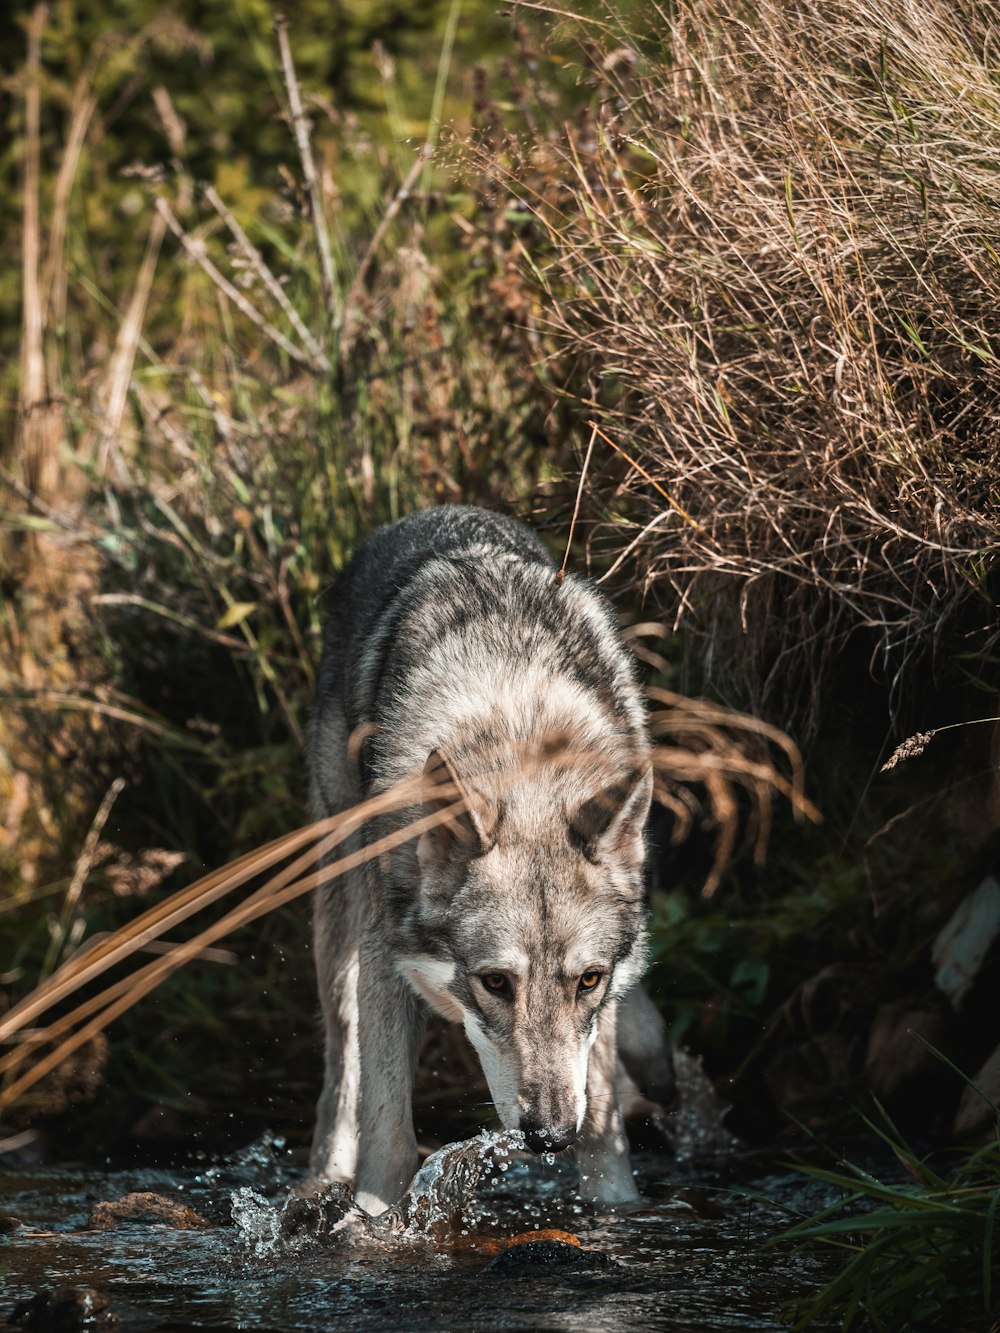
[704,746]
[773,242]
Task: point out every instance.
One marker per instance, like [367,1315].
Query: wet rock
[894,1056]
[146,1207]
[976,1113]
[549,1233]
[65,1310]
[9,1224]
[488,1245]
[534,1257]
[961,948]
[697,1203]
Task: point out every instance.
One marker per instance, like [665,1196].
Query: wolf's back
[448,629]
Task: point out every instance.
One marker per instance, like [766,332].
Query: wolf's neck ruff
[451,649]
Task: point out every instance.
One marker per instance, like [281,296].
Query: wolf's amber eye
[497,983]
[590,980]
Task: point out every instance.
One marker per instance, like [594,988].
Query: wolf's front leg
[335,1140]
[602,1152]
[339,921]
[389,1026]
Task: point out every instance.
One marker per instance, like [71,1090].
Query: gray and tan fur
[451,649]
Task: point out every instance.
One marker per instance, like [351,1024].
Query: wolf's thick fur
[451,650]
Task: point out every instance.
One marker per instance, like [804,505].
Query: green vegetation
[916,1254]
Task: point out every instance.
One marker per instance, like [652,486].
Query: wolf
[452,651]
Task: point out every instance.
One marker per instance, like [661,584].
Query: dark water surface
[688,1257]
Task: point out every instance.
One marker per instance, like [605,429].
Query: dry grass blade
[349,332]
[274,894]
[126,345]
[724,752]
[80,872]
[26,697]
[55,273]
[683,713]
[657,486]
[155,921]
[561,574]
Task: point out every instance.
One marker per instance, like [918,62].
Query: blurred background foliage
[183,487]
[184,473]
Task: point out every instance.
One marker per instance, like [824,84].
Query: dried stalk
[119,380]
[350,325]
[300,126]
[80,872]
[40,421]
[707,757]
[53,293]
[275,893]
[126,345]
[196,250]
[561,572]
[256,261]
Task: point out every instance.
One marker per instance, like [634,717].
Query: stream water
[687,1257]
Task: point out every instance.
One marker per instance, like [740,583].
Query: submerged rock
[146,1207]
[65,1310]
[531,1257]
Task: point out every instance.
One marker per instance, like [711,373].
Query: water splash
[685,1266]
[441,1202]
[695,1130]
[263,1162]
[442,1197]
[257,1221]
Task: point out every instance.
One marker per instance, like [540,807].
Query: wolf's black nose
[547,1138]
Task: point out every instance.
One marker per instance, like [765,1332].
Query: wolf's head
[529,923]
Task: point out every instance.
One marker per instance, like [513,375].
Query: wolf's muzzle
[547,1138]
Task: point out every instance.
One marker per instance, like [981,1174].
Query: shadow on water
[256,1256]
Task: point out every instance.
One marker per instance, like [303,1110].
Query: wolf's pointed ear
[612,822]
[468,831]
